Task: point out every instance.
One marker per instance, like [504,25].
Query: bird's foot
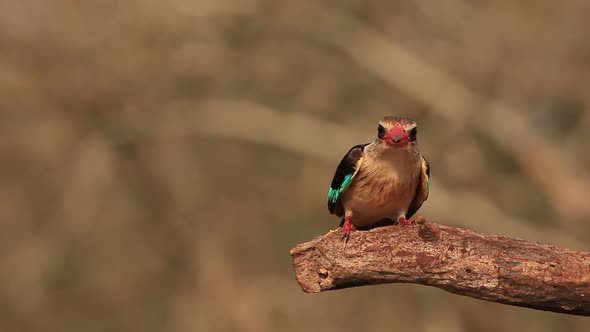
[404,221]
[347,227]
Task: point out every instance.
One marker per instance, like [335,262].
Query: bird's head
[397,132]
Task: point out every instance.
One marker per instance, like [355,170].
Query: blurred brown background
[159,159]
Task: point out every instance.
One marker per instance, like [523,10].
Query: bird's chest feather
[382,188]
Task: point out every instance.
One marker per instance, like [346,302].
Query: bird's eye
[381,131]
[413,133]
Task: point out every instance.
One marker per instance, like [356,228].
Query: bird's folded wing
[343,177]
[422,189]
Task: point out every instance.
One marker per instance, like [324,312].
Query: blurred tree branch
[213,115]
[449,97]
[488,267]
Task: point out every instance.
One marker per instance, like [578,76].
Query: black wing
[422,189]
[345,172]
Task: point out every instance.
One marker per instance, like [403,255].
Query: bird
[384,179]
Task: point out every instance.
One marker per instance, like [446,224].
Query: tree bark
[488,267]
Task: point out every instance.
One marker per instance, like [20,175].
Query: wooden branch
[460,261]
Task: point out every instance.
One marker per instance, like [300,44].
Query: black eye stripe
[414,132]
[381,131]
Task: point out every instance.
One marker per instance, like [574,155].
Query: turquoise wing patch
[334,194]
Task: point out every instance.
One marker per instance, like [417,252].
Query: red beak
[397,134]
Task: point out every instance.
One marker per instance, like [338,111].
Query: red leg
[347,227]
[403,221]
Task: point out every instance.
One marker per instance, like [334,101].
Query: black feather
[346,167]
[422,189]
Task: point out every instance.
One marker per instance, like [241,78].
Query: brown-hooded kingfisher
[385,179]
